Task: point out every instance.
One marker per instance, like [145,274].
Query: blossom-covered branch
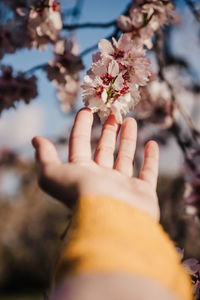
[160,59]
[120,69]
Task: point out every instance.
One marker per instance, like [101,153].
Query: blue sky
[53,119]
[43,115]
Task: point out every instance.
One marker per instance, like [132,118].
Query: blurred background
[32,225]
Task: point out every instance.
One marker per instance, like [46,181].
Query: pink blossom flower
[191,265]
[13,35]
[63,71]
[156,106]
[146,17]
[130,57]
[112,83]
[44,23]
[67,93]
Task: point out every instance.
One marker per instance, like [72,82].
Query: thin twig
[76,12]
[89,25]
[36,68]
[160,58]
[193,9]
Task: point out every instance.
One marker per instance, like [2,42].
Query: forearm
[111,239]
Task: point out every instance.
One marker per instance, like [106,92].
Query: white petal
[104,96]
[118,85]
[113,68]
[105,47]
[124,23]
[127,97]
[87,79]
[104,115]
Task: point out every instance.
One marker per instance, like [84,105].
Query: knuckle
[105,148]
[109,129]
[123,155]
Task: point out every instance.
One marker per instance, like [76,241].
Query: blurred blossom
[44,22]
[7,157]
[192,267]
[15,87]
[63,71]
[67,93]
[145,18]
[156,106]
[191,194]
[13,35]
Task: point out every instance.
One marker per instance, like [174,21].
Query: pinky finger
[149,172]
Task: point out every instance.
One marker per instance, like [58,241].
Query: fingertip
[130,122]
[152,146]
[85,109]
[45,151]
[84,113]
[36,141]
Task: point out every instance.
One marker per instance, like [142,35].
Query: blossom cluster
[191,195]
[63,71]
[35,23]
[145,18]
[156,106]
[13,36]
[44,22]
[119,69]
[112,84]
[14,88]
[192,267]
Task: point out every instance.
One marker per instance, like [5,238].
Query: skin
[101,176]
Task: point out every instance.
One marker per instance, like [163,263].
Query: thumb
[46,152]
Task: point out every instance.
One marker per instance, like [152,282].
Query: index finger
[79,142]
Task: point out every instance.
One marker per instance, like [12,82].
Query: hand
[83,176]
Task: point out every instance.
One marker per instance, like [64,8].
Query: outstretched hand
[101,176]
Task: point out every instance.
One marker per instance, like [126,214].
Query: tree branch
[161,64]
[36,68]
[193,9]
[89,25]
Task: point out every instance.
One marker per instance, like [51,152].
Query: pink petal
[124,23]
[118,85]
[113,68]
[105,46]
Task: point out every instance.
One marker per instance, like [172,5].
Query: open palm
[103,176]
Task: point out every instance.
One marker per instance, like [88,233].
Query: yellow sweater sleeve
[107,235]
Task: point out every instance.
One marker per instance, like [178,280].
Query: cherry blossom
[130,57]
[67,93]
[156,106]
[13,36]
[44,23]
[112,83]
[192,266]
[146,17]
[63,72]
